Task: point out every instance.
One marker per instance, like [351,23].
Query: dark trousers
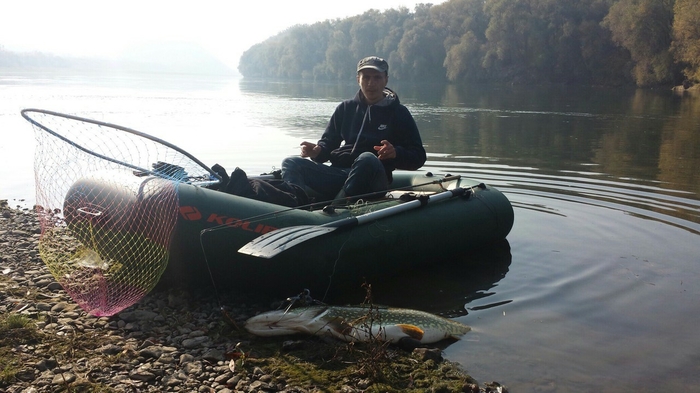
[366,175]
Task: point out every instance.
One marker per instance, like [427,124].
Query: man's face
[372,84]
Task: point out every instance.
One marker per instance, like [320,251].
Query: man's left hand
[386,151]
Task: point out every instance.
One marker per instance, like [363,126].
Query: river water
[597,287]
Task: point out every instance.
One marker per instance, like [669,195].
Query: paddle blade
[273,243]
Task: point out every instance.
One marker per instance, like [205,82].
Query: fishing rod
[447,178]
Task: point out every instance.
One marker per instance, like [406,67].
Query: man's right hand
[310,150]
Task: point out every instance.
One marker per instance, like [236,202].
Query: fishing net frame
[107,203]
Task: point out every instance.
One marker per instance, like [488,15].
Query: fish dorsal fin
[412,331]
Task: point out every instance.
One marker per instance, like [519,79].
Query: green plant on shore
[327,366]
[17,329]
[8,370]
[14,329]
[16,321]
[86,387]
[373,354]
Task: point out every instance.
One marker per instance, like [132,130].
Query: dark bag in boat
[275,191]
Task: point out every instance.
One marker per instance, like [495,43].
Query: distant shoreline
[145,59]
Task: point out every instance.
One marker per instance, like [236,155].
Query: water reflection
[679,153]
[644,135]
[451,286]
[332,91]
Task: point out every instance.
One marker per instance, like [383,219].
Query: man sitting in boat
[366,138]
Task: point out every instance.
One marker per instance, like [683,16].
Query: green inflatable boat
[247,244]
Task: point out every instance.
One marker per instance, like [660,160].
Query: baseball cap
[373,62]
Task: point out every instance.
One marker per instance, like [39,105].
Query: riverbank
[178,340]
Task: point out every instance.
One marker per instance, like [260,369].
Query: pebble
[163,343]
[159,344]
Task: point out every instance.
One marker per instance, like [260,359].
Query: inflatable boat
[122,211]
[242,243]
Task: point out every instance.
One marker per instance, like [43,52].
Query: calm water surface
[597,288]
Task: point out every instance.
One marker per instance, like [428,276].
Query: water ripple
[646,199]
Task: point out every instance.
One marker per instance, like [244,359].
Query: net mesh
[107,203]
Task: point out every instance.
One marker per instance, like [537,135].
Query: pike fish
[357,323]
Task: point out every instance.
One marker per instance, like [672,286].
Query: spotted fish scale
[358,323]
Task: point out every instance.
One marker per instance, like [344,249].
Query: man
[366,138]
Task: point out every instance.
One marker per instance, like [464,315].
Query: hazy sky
[105,28]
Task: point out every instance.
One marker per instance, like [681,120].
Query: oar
[275,242]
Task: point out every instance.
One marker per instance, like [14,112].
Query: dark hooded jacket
[356,127]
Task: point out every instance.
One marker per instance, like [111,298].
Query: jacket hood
[390,98]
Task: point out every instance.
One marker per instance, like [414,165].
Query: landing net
[107,203]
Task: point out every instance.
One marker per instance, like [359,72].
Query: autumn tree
[366,31]
[686,37]
[420,52]
[508,38]
[606,62]
[464,26]
[643,27]
[339,60]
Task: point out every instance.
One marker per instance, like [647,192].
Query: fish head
[308,320]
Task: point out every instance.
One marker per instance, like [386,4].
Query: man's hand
[386,151]
[310,150]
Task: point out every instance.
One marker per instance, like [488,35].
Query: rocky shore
[178,340]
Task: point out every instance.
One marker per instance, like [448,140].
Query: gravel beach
[178,340]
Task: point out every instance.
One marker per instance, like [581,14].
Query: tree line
[594,42]
[10,59]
